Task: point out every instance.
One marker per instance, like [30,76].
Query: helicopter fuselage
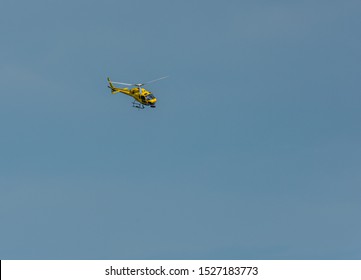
[143,96]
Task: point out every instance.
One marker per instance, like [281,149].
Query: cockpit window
[150,97]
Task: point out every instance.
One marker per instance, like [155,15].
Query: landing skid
[138,105]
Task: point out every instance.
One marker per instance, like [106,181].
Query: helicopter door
[142,97]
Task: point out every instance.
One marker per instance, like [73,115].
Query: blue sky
[253,151]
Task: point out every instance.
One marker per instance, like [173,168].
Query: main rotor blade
[152,81]
[122,84]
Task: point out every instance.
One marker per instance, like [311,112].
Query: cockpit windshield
[149,97]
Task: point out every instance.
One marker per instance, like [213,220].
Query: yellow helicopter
[142,97]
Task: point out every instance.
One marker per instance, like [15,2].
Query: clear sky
[253,151]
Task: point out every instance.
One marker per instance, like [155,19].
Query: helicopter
[142,97]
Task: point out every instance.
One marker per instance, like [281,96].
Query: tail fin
[111,86]
[110,83]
